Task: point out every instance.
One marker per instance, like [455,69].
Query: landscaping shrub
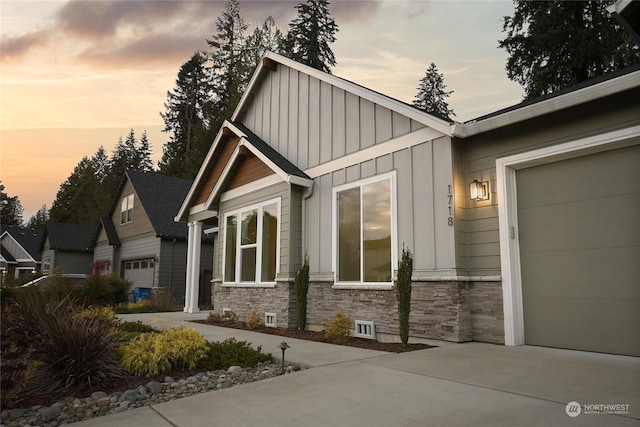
[155,353]
[253,320]
[337,329]
[214,317]
[301,285]
[230,352]
[229,316]
[144,306]
[403,293]
[136,326]
[106,290]
[17,369]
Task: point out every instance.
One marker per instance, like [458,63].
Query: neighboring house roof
[29,239]
[110,230]
[161,197]
[70,237]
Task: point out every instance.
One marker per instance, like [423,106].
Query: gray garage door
[579,230]
[140,272]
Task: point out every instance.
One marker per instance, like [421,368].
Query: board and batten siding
[480,154]
[424,174]
[311,122]
[279,191]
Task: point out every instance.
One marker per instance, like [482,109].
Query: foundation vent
[365,329]
[270,320]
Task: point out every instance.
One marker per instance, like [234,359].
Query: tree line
[551,45]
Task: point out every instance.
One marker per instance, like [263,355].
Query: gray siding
[480,154]
[138,247]
[311,122]
[73,262]
[424,173]
[282,191]
[172,267]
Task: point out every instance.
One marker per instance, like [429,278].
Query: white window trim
[126,199]
[392,176]
[258,207]
[506,168]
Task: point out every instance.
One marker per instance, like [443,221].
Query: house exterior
[19,251]
[139,241]
[510,218]
[67,248]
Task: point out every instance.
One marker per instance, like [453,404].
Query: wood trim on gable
[249,169]
[223,157]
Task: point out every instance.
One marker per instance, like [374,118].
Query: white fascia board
[377,98]
[571,99]
[405,141]
[250,187]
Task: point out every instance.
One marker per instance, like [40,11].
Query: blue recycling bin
[141,293]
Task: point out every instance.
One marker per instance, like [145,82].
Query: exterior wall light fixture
[479,190]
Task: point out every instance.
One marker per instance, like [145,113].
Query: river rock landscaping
[100,403]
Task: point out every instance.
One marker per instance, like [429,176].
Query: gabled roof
[282,167]
[29,239]
[161,197]
[70,237]
[110,230]
[268,63]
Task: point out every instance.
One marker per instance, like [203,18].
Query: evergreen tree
[78,199]
[555,44]
[10,208]
[186,120]
[310,34]
[230,72]
[39,219]
[432,94]
[265,38]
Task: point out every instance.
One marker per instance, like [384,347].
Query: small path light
[283,347]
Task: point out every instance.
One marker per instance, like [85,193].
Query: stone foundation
[456,311]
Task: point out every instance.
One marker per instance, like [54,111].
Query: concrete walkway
[470,384]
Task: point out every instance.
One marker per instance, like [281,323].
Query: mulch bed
[320,337]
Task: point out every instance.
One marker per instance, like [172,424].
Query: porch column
[193,267]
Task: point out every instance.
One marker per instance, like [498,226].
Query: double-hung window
[252,244]
[126,209]
[364,231]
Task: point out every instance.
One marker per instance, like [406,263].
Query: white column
[193,267]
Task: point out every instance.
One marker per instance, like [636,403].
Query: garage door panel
[579,241]
[599,175]
[577,324]
[591,223]
[601,273]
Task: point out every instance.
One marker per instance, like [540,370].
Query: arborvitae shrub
[301,285]
[403,293]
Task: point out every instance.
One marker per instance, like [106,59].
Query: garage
[579,239]
[140,272]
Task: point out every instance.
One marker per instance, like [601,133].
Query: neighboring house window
[251,244]
[46,264]
[126,209]
[364,231]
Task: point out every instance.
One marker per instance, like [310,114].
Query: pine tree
[432,94]
[556,44]
[186,120]
[265,38]
[77,200]
[10,208]
[230,72]
[39,219]
[310,34]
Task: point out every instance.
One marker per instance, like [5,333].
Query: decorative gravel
[72,409]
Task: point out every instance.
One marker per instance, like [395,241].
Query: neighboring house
[67,248]
[139,241]
[522,224]
[20,251]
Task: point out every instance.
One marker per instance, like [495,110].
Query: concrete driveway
[470,384]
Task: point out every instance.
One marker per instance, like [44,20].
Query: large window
[251,244]
[364,232]
[126,209]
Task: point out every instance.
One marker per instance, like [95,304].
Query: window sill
[364,286]
[249,285]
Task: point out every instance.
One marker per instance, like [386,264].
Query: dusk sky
[75,75]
